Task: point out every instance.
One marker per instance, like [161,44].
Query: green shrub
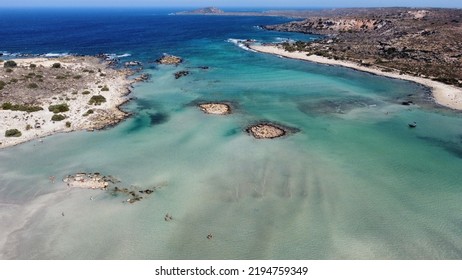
[12,81]
[13,133]
[56,65]
[8,70]
[32,66]
[10,64]
[97,100]
[85,92]
[28,127]
[89,112]
[2,85]
[58,108]
[21,107]
[58,117]
[60,77]
[32,85]
[77,77]
[68,124]
[105,88]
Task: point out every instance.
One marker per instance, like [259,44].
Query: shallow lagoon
[355,183]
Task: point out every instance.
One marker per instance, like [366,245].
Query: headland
[42,96]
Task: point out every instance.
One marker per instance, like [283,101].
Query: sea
[353,181]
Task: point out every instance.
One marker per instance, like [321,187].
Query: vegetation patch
[97,100]
[105,88]
[56,65]
[89,112]
[58,117]
[10,64]
[85,92]
[21,107]
[32,86]
[59,108]
[13,133]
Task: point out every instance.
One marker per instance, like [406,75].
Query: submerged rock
[169,59]
[215,108]
[133,63]
[180,74]
[88,181]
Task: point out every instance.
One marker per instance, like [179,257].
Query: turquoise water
[354,183]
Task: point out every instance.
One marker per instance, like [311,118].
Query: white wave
[124,55]
[280,40]
[55,54]
[241,43]
[114,56]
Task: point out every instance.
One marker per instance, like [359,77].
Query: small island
[169,60]
[42,96]
[266,130]
[215,108]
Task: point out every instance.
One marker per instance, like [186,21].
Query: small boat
[413,124]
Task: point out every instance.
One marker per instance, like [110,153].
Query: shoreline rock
[267,130]
[215,108]
[169,60]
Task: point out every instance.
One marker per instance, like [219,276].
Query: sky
[232,3]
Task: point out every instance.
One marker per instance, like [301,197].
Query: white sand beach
[445,95]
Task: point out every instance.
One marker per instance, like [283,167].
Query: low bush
[21,107]
[10,64]
[97,100]
[89,112]
[58,117]
[13,133]
[68,124]
[105,88]
[56,65]
[85,92]
[32,85]
[32,66]
[58,108]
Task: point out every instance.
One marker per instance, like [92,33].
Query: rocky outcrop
[169,59]
[215,108]
[266,131]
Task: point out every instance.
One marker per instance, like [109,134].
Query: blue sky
[235,3]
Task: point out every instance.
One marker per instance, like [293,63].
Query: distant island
[203,11]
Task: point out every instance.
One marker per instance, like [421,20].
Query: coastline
[36,125]
[443,94]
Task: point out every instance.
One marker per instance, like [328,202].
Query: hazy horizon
[235,4]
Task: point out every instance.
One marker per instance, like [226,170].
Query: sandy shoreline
[445,95]
[97,78]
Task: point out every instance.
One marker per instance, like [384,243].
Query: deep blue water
[143,33]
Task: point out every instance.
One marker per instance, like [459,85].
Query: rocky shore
[43,96]
[423,43]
